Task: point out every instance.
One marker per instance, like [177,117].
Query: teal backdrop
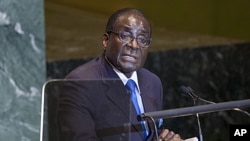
[22,68]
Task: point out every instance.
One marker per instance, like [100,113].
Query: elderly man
[114,88]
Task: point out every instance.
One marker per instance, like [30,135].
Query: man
[99,110]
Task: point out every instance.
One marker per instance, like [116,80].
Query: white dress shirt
[133,77]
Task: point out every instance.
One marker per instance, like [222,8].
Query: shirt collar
[123,77]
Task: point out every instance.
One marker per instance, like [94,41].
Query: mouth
[129,57]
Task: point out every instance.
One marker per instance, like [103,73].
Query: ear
[105,39]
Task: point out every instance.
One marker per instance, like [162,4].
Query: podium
[52,90]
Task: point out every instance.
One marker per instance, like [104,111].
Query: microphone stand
[187,111]
[189,91]
[198,121]
[193,95]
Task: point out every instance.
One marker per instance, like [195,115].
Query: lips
[129,57]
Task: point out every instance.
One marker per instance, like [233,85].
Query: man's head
[126,40]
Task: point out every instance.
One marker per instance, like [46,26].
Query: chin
[128,67]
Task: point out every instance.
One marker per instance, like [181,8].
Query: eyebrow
[125,28]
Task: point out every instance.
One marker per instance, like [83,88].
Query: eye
[126,36]
[142,40]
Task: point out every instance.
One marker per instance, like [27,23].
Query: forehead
[132,21]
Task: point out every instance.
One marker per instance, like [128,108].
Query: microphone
[189,91]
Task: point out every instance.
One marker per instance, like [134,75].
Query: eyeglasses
[127,37]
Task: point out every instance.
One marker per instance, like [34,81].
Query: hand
[167,135]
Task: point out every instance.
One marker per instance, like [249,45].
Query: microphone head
[190,89]
[184,90]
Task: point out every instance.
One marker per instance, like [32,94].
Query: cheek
[113,52]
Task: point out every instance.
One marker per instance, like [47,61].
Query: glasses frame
[132,38]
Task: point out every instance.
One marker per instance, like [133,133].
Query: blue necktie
[132,86]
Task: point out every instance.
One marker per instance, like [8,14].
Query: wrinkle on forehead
[132,22]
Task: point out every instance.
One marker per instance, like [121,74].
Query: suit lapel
[145,92]
[116,92]
[119,95]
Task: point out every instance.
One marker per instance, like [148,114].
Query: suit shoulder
[84,71]
[148,74]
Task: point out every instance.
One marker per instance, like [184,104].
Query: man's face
[127,57]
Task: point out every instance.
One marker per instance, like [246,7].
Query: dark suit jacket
[95,105]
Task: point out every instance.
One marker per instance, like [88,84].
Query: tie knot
[131,85]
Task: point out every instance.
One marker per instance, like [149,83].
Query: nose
[133,43]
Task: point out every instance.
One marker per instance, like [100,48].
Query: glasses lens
[126,37]
[143,41]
